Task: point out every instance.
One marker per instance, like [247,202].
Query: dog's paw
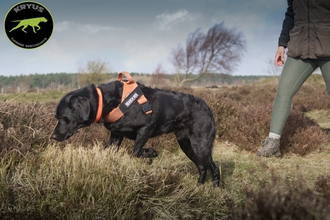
[149,153]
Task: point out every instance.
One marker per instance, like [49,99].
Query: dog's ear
[82,106]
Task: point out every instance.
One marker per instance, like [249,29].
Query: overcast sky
[137,35]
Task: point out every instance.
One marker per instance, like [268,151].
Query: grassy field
[92,183]
[27,97]
[322,117]
[79,179]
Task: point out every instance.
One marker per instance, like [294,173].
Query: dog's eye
[58,117]
[62,119]
[65,119]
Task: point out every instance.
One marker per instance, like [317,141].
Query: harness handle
[127,75]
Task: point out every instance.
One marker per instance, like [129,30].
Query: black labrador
[189,117]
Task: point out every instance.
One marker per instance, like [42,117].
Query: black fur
[187,116]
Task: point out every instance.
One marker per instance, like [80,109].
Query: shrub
[292,200]
[243,116]
[322,185]
[27,127]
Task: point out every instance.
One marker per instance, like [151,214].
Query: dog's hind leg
[202,146]
[200,152]
[203,152]
[214,171]
[186,147]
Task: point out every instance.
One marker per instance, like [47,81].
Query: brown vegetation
[283,199]
[242,116]
[41,179]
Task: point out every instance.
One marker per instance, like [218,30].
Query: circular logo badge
[28,25]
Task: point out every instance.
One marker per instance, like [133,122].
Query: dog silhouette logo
[28,25]
[33,22]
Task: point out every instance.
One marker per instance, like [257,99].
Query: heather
[81,179]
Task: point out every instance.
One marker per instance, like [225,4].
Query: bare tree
[95,72]
[218,51]
[158,76]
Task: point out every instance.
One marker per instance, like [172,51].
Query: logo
[131,100]
[28,25]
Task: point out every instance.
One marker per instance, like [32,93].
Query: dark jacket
[306,29]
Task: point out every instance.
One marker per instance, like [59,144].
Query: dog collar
[99,105]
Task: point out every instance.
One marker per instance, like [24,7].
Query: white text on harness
[131,100]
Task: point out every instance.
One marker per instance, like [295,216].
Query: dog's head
[74,111]
[43,19]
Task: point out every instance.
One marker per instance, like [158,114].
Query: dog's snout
[55,137]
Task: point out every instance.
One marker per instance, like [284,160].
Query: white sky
[137,35]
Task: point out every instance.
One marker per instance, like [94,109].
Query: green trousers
[295,72]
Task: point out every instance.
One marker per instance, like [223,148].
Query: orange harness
[131,94]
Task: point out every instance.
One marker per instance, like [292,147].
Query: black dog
[189,117]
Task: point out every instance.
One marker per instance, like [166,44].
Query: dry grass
[79,179]
[92,183]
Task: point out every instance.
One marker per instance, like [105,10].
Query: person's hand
[279,56]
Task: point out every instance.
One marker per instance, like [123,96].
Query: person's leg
[325,70]
[294,74]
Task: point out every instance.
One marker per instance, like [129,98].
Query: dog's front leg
[142,138]
[115,139]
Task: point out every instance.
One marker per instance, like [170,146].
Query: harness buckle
[146,108]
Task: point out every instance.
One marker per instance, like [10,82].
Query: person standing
[306,35]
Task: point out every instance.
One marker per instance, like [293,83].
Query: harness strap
[99,105]
[131,94]
[145,104]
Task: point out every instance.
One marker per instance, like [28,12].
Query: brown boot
[270,147]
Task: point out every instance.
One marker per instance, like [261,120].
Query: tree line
[69,81]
